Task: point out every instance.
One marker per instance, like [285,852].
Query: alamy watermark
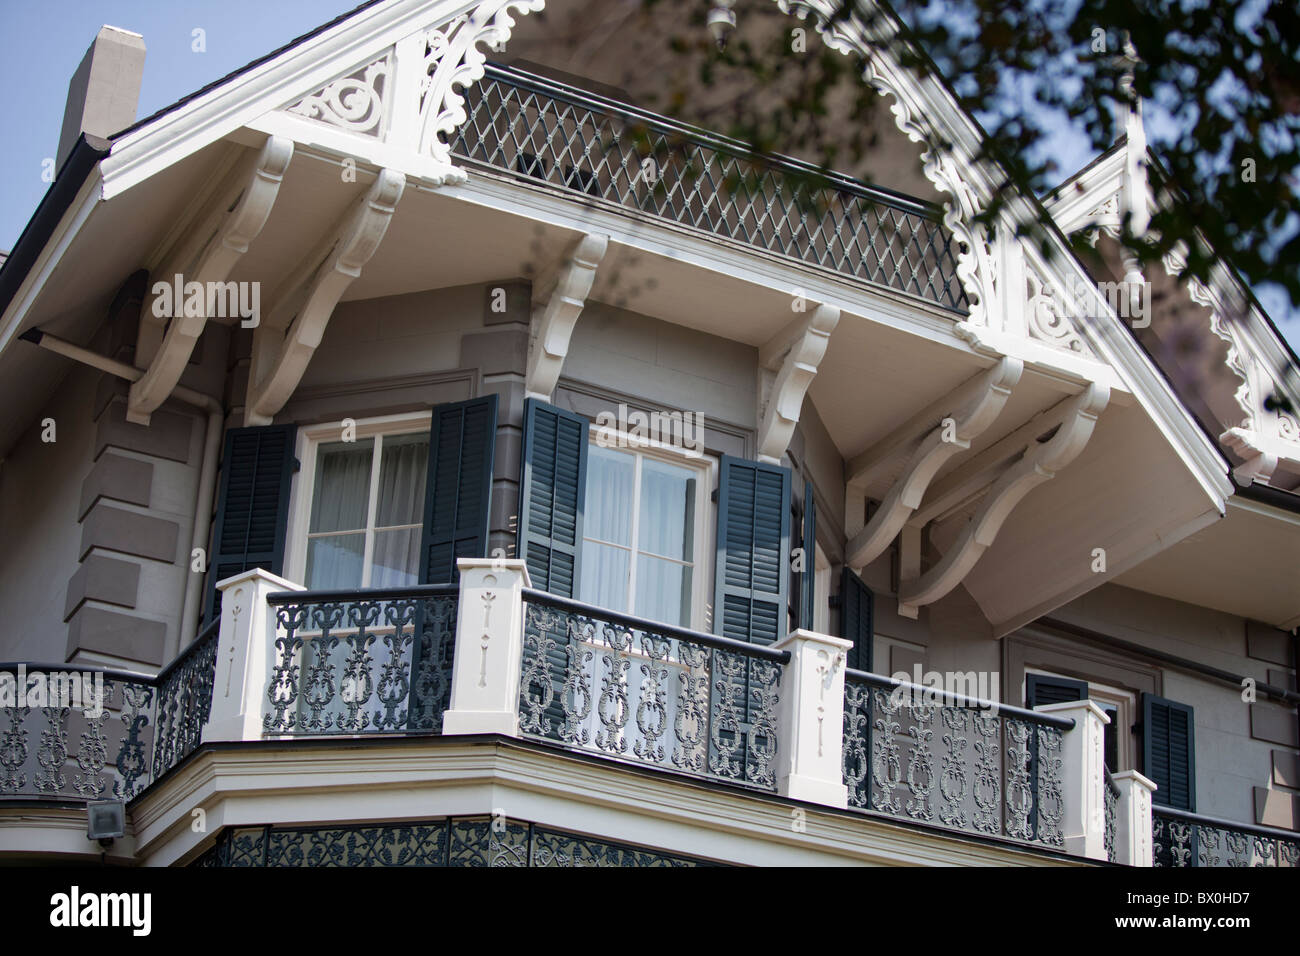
[72,689]
[1130,299]
[217,300]
[631,428]
[979,689]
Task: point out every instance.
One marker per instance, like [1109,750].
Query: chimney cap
[105,90]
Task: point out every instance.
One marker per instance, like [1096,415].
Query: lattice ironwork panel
[545,132]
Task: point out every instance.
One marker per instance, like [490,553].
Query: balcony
[112,737]
[604,152]
[491,655]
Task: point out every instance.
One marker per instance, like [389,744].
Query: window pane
[402,470]
[663,591]
[394,563]
[342,486]
[335,561]
[604,576]
[667,510]
[610,481]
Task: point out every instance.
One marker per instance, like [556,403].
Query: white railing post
[1133,842]
[810,719]
[245,655]
[1083,777]
[489,648]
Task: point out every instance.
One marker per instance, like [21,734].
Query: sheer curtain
[666,527]
[607,516]
[400,511]
[338,515]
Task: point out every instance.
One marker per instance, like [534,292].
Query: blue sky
[41,44]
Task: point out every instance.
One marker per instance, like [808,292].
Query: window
[643,523]
[359,518]
[1044,687]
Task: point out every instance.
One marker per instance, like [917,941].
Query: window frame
[707,465]
[310,439]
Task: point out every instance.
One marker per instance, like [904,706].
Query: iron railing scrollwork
[1110,811]
[1180,838]
[545,131]
[952,762]
[361,661]
[622,687]
[114,737]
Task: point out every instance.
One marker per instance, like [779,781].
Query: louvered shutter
[257,468]
[551,492]
[1042,689]
[552,495]
[753,548]
[752,581]
[458,489]
[1169,751]
[808,579]
[857,619]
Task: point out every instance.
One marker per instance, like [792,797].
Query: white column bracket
[794,356]
[1038,463]
[555,313]
[234,217]
[279,366]
[951,436]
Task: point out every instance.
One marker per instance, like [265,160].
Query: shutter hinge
[833,601]
[297,466]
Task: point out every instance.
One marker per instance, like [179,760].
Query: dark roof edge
[1267,495]
[85,156]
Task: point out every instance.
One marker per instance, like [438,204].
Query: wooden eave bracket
[793,355]
[1039,462]
[975,406]
[556,314]
[247,205]
[355,242]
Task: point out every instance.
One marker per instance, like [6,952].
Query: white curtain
[402,474]
[607,515]
[339,503]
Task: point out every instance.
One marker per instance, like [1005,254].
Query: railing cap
[517,565]
[1066,706]
[259,574]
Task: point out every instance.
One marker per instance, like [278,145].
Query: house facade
[420,453]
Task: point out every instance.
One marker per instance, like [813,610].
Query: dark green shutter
[753,551]
[808,580]
[1041,689]
[552,490]
[1169,751]
[1044,689]
[458,489]
[552,496]
[857,619]
[257,468]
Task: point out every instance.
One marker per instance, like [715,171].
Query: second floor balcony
[492,656]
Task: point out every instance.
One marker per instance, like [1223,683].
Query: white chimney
[105,90]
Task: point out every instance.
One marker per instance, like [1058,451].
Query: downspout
[207,463]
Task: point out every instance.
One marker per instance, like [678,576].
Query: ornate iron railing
[1180,838]
[451,842]
[622,687]
[86,733]
[545,131]
[998,772]
[361,661]
[1110,809]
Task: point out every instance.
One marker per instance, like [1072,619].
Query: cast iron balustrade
[631,689]
[144,727]
[361,661]
[1111,796]
[1189,839]
[541,130]
[960,763]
